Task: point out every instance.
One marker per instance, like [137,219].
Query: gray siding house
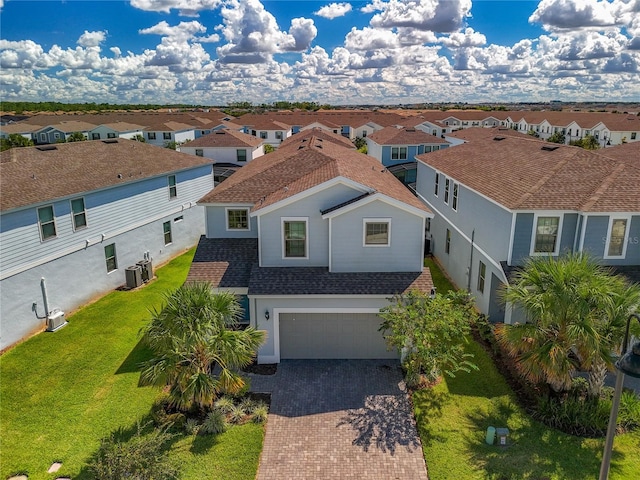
[75,216]
[500,199]
[315,238]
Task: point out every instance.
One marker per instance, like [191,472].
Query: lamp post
[627,364]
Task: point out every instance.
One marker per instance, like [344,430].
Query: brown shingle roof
[225,262]
[225,138]
[404,136]
[318,133]
[31,175]
[301,165]
[521,174]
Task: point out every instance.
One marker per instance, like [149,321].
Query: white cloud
[432,15]
[468,38]
[24,54]
[213,38]
[116,51]
[91,39]
[184,30]
[573,14]
[187,8]
[370,39]
[334,10]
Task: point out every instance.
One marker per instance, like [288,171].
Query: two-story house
[76,218]
[501,199]
[271,132]
[225,147]
[314,238]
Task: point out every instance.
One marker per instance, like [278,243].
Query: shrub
[192,426]
[214,423]
[579,386]
[629,413]
[224,404]
[237,414]
[139,458]
[260,413]
[248,405]
[577,416]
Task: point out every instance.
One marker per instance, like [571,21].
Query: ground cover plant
[453,417]
[63,392]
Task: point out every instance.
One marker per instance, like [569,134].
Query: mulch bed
[261,369]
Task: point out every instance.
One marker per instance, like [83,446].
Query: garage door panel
[332,335]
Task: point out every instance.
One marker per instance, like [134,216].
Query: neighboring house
[226,146]
[59,132]
[24,129]
[397,148]
[116,130]
[501,199]
[314,238]
[75,216]
[161,133]
[270,132]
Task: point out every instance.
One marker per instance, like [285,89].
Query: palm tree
[196,350]
[564,299]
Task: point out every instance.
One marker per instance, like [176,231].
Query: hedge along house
[315,238]
[500,199]
[75,216]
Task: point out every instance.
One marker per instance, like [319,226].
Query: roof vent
[550,148]
[497,139]
[220,132]
[110,140]
[410,130]
[46,148]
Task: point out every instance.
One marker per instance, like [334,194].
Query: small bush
[214,423]
[140,457]
[579,386]
[224,404]
[248,405]
[192,426]
[585,417]
[237,414]
[260,413]
[629,413]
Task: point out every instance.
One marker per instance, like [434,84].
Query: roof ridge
[606,183]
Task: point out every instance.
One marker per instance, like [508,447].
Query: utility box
[147,270]
[502,436]
[133,275]
[55,320]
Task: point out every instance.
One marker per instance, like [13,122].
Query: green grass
[453,418]
[61,392]
[441,282]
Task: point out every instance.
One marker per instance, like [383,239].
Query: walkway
[339,419]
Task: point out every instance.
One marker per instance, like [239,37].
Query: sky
[215,52]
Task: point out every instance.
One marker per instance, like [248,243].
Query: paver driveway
[339,419]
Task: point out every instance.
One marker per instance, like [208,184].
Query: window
[446,191]
[166,135]
[253,132]
[237,219]
[241,155]
[56,135]
[279,135]
[376,232]
[110,257]
[295,238]
[199,152]
[435,192]
[427,225]
[95,136]
[482,272]
[47,222]
[111,135]
[447,243]
[173,189]
[454,202]
[263,135]
[616,241]
[79,213]
[398,153]
[364,134]
[546,234]
[633,135]
[43,137]
[151,135]
[179,219]
[166,227]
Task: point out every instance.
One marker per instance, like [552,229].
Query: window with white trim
[241,155]
[173,188]
[263,135]
[111,135]
[294,233]
[199,152]
[279,135]
[79,213]
[95,136]
[151,135]
[166,135]
[617,237]
[166,229]
[377,232]
[454,201]
[546,234]
[398,153]
[447,183]
[110,257]
[482,272]
[237,219]
[47,222]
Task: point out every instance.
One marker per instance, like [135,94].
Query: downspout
[473,234]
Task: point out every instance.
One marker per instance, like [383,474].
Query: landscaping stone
[55,466]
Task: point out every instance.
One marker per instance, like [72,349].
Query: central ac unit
[147,270]
[55,320]
[133,275]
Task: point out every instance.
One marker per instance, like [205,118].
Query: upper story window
[237,219]
[377,232]
[199,152]
[166,135]
[151,135]
[110,257]
[482,272]
[633,135]
[364,134]
[241,155]
[437,184]
[47,222]
[79,213]
[95,136]
[295,238]
[173,188]
[617,237]
[447,183]
[253,132]
[545,235]
[454,201]
[398,153]
[278,135]
[263,135]
[111,135]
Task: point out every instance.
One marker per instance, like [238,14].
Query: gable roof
[318,132]
[30,175]
[404,136]
[304,164]
[225,138]
[527,174]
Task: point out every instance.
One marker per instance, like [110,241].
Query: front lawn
[453,417]
[61,392]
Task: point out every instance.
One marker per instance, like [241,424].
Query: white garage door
[332,335]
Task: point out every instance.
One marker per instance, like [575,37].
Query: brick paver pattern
[339,419]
